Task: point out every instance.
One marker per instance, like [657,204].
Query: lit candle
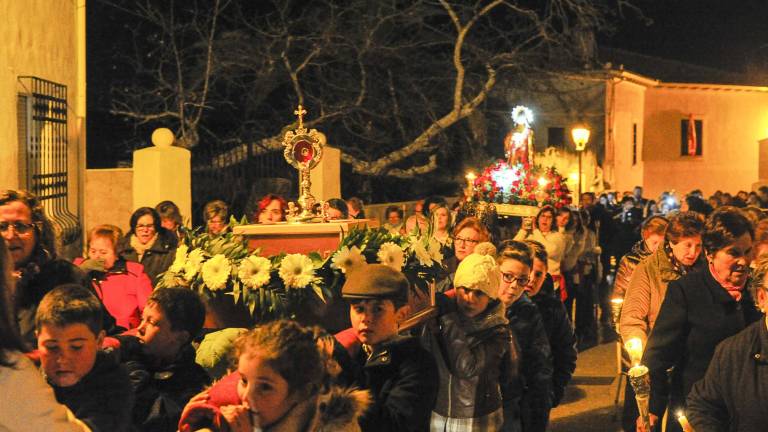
[634,347]
[470,185]
[683,420]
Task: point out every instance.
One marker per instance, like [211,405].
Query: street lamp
[580,135]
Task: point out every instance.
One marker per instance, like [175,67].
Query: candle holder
[616,305]
[640,379]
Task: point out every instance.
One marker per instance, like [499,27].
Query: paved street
[588,402]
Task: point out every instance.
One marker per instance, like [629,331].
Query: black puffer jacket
[161,390]
[562,340]
[37,279]
[696,315]
[103,398]
[536,364]
[476,358]
[731,395]
[156,259]
[402,378]
[627,266]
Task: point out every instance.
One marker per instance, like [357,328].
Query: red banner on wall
[691,136]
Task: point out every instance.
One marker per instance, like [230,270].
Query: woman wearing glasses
[515,262]
[467,234]
[148,243]
[31,242]
[543,230]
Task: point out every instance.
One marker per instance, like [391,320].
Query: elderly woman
[648,284]
[122,286]
[543,230]
[148,243]
[31,242]
[731,396]
[700,310]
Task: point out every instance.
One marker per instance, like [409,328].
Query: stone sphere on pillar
[163,137]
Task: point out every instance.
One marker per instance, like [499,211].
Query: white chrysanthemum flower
[421,253]
[297,271]
[254,271]
[181,258]
[216,272]
[391,255]
[347,258]
[192,266]
[434,250]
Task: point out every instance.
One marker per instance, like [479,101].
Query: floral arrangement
[523,184]
[274,287]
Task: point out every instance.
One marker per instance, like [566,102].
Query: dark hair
[288,348]
[10,340]
[169,210]
[761,233]
[434,199]
[754,214]
[183,308]
[45,237]
[357,204]
[546,208]
[340,205]
[139,213]
[684,224]
[516,250]
[538,250]
[723,227]
[70,304]
[571,222]
[216,208]
[391,209]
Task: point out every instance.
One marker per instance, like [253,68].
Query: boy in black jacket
[90,382]
[161,360]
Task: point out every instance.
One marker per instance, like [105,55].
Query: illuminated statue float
[516,186]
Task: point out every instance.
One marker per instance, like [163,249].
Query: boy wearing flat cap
[399,373]
[475,352]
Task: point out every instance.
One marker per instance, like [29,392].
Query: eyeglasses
[513,279]
[19,228]
[145,226]
[466,240]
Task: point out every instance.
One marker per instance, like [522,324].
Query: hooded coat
[157,258]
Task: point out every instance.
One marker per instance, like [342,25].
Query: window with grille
[43,149]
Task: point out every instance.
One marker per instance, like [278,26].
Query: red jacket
[124,290]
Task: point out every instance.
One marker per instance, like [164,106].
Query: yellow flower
[347,258]
[297,271]
[254,271]
[216,272]
[192,266]
[434,250]
[181,258]
[421,253]
[391,255]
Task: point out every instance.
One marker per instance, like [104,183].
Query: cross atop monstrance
[303,150]
[300,112]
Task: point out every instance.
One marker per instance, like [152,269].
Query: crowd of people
[91,344]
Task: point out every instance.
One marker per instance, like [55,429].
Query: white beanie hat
[479,271]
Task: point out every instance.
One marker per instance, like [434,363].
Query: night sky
[729,35]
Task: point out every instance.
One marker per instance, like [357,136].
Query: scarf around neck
[733,290]
[141,248]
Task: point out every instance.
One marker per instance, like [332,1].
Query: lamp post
[580,135]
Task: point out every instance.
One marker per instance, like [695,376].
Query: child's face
[514,279]
[262,390]
[67,353]
[471,302]
[155,333]
[375,321]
